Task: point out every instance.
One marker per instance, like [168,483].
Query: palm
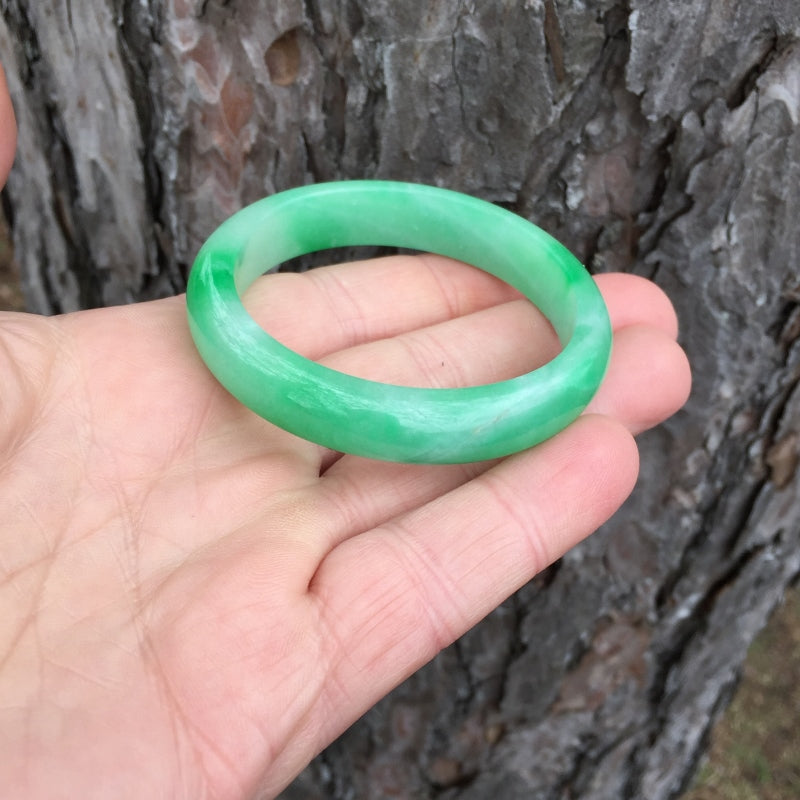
[210,599]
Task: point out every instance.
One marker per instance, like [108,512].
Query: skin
[194,603]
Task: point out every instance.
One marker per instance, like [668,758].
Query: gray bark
[654,137]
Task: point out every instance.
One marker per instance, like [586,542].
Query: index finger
[333,308]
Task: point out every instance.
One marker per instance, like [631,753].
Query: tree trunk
[654,137]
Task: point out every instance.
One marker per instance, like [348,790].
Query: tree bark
[653,137]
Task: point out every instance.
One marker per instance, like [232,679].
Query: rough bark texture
[655,137]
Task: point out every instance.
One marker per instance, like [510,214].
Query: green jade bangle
[385,421]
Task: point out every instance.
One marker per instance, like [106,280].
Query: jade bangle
[380,420]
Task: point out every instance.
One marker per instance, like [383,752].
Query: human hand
[194,602]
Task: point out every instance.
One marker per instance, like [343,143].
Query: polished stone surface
[379,420]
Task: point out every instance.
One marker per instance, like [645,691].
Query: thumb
[8,130]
